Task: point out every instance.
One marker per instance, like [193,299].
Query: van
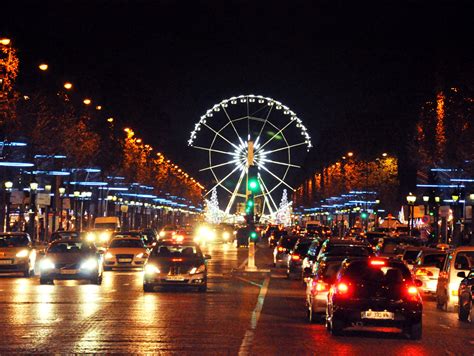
[107,223]
[458,260]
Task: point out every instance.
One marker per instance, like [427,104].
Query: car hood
[12,251]
[172,262]
[68,257]
[126,250]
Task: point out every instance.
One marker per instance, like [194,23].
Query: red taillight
[342,288]
[377,263]
[412,290]
[177,260]
[295,257]
[319,286]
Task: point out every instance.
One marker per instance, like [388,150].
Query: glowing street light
[8,185]
[384,154]
[68,85]
[43,66]
[5,41]
[87,101]
[350,154]
[110,119]
[98,107]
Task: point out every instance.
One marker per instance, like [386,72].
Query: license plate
[124,260]
[6,262]
[68,271]
[384,315]
[175,278]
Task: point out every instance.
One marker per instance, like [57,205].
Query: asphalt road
[242,313]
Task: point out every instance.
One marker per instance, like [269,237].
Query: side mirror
[307,272]
[462,274]
[418,283]
[207,257]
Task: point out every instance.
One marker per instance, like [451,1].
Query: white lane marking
[249,281]
[247,341]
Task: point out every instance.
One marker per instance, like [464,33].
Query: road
[261,314]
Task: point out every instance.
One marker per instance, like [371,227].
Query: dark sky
[356,75]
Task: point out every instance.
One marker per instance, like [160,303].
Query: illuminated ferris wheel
[250,130]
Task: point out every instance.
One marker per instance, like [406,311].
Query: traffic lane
[283,329]
[118,317]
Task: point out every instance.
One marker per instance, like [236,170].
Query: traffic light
[253,235]
[364,215]
[252,180]
[249,209]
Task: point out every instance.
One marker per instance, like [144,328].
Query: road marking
[250,333]
[250,282]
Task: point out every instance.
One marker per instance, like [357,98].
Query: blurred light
[8,185]
[62,190]
[384,154]
[43,66]
[68,85]
[98,107]
[110,119]
[350,154]
[47,187]
[87,101]
[34,185]
[5,41]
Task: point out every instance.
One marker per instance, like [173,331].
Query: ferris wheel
[250,130]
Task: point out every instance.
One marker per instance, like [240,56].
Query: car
[125,252]
[167,231]
[99,237]
[426,268]
[296,257]
[17,253]
[375,292]
[58,235]
[282,250]
[71,259]
[318,281]
[461,259]
[176,264]
[466,296]
[273,234]
[344,247]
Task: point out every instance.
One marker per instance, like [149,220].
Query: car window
[176,251]
[121,243]
[14,241]
[389,273]
[435,259]
[302,248]
[327,271]
[288,242]
[70,247]
[410,255]
[464,260]
[347,250]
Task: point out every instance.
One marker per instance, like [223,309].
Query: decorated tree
[212,213]
[283,215]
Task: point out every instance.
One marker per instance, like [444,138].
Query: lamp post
[456,224]
[437,200]
[411,199]
[8,188]
[61,191]
[47,189]
[76,194]
[32,211]
[426,199]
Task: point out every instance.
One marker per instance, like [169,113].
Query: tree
[283,214]
[213,213]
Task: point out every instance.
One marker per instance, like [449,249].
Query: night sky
[356,75]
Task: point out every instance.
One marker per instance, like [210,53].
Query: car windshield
[464,260]
[70,247]
[327,271]
[176,251]
[435,259]
[347,250]
[14,241]
[64,234]
[104,226]
[121,243]
[388,273]
[410,255]
[288,242]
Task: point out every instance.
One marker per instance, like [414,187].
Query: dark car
[282,250]
[274,235]
[345,247]
[466,296]
[17,253]
[375,292]
[311,255]
[296,258]
[59,235]
[176,264]
[71,259]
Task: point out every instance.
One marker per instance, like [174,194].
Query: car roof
[68,240]
[338,241]
[14,233]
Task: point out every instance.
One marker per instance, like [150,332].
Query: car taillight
[281,249]
[377,263]
[342,288]
[176,260]
[295,257]
[319,286]
[412,292]
[423,272]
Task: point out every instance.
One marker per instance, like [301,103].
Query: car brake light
[342,288]
[177,260]
[320,286]
[412,290]
[295,257]
[424,272]
[377,263]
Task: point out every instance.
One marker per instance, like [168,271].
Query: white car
[426,269]
[127,252]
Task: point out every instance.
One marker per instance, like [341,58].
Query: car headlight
[108,256]
[142,255]
[199,269]
[22,253]
[226,235]
[46,264]
[162,234]
[90,264]
[211,235]
[104,236]
[90,237]
[151,269]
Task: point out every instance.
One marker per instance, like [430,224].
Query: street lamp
[68,86]
[43,66]
[76,194]
[456,225]
[32,212]
[411,199]
[426,199]
[61,191]
[8,188]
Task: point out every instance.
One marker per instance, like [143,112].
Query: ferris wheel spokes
[286,147]
[231,122]
[261,129]
[236,192]
[233,161]
[279,163]
[275,135]
[219,134]
[219,183]
[266,195]
[213,150]
[277,178]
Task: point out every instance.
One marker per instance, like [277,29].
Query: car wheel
[415,331]
[46,281]
[464,311]
[336,326]
[147,288]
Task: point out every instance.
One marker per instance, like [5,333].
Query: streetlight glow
[34,186]
[110,119]
[5,41]
[68,85]
[8,185]
[350,154]
[87,101]
[43,66]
